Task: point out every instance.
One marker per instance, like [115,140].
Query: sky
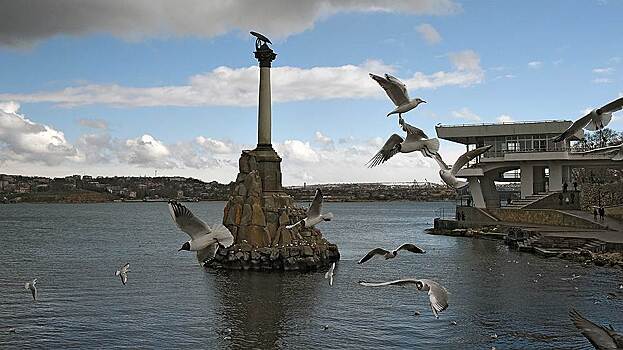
[113,87]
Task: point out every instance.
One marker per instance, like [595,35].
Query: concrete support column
[527,180]
[538,178]
[476,192]
[489,191]
[555,177]
[264,109]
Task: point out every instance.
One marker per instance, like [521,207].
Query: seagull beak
[179,250]
[423,101]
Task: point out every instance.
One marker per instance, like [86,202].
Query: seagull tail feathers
[431,147]
[327,216]
[26,285]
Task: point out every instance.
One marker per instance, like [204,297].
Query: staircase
[523,202]
[526,245]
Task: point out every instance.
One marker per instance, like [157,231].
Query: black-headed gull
[437,294]
[32,286]
[313,213]
[391,254]
[601,337]
[123,273]
[203,239]
[596,119]
[397,92]
[448,175]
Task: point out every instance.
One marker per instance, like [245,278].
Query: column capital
[265,56]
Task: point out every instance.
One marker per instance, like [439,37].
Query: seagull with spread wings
[391,254]
[203,239]
[597,119]
[448,175]
[313,213]
[397,92]
[416,140]
[32,287]
[601,337]
[123,273]
[437,294]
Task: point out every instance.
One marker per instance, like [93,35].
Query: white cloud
[93,123]
[504,118]
[465,113]
[215,146]
[603,70]
[9,107]
[146,151]
[23,23]
[429,33]
[226,86]
[602,80]
[297,151]
[323,139]
[535,64]
[26,141]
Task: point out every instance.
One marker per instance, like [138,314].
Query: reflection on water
[170,302]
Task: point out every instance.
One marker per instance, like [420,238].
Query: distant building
[521,152]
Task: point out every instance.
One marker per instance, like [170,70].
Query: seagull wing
[316,205]
[575,127]
[222,235]
[598,335]
[467,156]
[186,221]
[125,268]
[124,277]
[603,149]
[389,283]
[207,253]
[372,253]
[613,106]
[389,149]
[437,294]
[412,248]
[395,91]
[403,87]
[413,133]
[440,161]
[33,290]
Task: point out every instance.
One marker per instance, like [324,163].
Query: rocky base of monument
[258,215]
[297,256]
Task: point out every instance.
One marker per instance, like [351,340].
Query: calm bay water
[170,302]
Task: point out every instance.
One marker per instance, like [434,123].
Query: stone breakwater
[258,220]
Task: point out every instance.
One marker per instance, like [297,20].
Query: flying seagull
[123,273]
[448,175]
[416,141]
[313,213]
[596,119]
[329,274]
[33,288]
[437,294]
[601,337]
[397,92]
[203,239]
[390,255]
[615,150]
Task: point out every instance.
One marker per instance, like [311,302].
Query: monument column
[265,56]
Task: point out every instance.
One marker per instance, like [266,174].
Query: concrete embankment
[580,246]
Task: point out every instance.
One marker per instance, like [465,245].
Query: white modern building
[522,152]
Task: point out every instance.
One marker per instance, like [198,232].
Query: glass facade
[520,143]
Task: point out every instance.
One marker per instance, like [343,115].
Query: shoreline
[612,259]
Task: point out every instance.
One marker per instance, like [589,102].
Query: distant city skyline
[109,89]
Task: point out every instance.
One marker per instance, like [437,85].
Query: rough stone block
[247,213]
[257,217]
[243,164]
[272,218]
[307,251]
[242,189]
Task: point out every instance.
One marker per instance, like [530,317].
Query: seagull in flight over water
[597,119]
[32,287]
[313,213]
[203,239]
[390,255]
[329,274]
[600,336]
[448,175]
[416,141]
[123,273]
[437,294]
[397,92]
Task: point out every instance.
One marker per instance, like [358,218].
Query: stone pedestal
[257,214]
